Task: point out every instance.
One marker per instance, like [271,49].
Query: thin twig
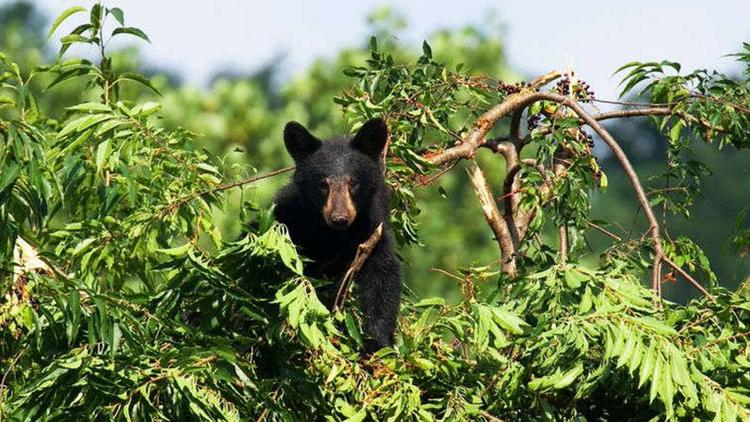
[719,340]
[631,103]
[687,277]
[436,175]
[515,127]
[636,112]
[182,201]
[635,182]
[605,231]
[8,371]
[446,273]
[364,250]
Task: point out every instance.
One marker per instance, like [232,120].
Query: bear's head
[339,177]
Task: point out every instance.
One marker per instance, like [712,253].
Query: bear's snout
[339,210]
[339,222]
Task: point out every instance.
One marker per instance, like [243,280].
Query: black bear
[336,199]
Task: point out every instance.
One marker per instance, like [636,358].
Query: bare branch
[426,181]
[636,112]
[562,232]
[687,277]
[545,79]
[631,103]
[364,250]
[494,219]
[605,231]
[477,137]
[635,182]
[515,127]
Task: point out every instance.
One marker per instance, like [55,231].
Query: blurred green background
[240,115]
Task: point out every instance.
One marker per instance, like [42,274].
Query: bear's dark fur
[336,199]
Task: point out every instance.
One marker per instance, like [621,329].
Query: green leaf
[574,278]
[95,17]
[176,251]
[118,14]
[70,74]
[92,107]
[509,320]
[115,340]
[64,15]
[102,153]
[107,126]
[432,301]
[82,246]
[569,377]
[657,326]
[131,31]
[352,328]
[129,76]
[9,174]
[674,133]
[426,49]
[656,381]
[81,124]
[6,100]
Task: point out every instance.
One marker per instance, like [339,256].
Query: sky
[197,38]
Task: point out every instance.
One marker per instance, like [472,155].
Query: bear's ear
[371,138]
[299,141]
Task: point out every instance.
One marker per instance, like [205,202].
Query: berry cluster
[585,136]
[563,86]
[581,89]
[532,122]
[511,88]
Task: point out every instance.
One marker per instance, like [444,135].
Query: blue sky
[200,37]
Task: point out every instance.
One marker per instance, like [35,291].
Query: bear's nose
[339,221]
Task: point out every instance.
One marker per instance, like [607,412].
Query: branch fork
[509,228]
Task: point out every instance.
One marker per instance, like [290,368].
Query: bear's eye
[353,185]
[324,186]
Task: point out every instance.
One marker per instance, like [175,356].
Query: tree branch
[636,112]
[686,276]
[605,231]
[563,235]
[364,250]
[494,219]
[477,137]
[545,79]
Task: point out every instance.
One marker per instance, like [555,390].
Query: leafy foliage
[120,299]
